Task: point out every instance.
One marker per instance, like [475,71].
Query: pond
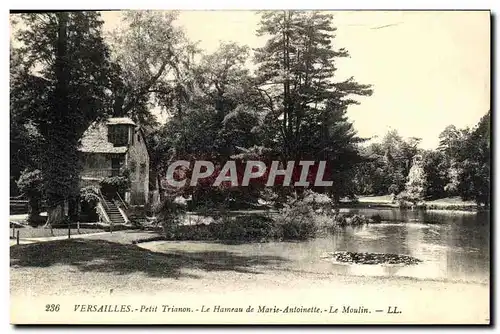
[453,246]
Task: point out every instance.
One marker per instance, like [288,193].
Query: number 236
[52,308]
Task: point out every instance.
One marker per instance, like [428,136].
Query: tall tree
[436,169]
[387,164]
[25,141]
[151,56]
[63,55]
[296,72]
[306,105]
[475,163]
[217,119]
[452,143]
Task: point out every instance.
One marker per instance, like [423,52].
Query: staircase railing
[106,208]
[102,198]
[17,197]
[122,202]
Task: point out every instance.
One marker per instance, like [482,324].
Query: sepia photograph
[272,167]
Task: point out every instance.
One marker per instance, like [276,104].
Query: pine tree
[306,105]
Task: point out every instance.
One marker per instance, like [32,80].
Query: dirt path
[91,270]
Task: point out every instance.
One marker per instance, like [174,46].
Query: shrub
[297,220]
[90,195]
[115,184]
[170,213]
[394,189]
[409,200]
[336,221]
[316,199]
[31,184]
[376,219]
[245,228]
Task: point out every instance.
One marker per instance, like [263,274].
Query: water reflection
[452,245]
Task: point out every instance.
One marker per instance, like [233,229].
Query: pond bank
[385,201]
[191,274]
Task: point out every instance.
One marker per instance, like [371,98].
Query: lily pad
[373,258]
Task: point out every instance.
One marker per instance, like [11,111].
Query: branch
[268,96]
[146,87]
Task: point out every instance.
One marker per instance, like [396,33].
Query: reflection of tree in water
[395,241]
[452,245]
[412,216]
[468,247]
[387,238]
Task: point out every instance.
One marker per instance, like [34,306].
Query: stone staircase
[113,213]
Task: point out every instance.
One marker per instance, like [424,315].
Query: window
[118,135]
[116,165]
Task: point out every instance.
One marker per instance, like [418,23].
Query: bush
[90,195]
[31,184]
[343,220]
[297,221]
[247,228]
[170,213]
[409,200]
[394,189]
[377,219]
[115,184]
[317,200]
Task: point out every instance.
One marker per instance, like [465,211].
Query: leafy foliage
[386,165]
[115,184]
[417,183]
[31,184]
[306,107]
[149,52]
[475,163]
[436,169]
[170,213]
[297,221]
[90,194]
[460,166]
[60,87]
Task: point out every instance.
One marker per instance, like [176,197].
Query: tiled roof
[95,140]
[120,120]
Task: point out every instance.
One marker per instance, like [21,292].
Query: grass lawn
[40,232]
[18,218]
[442,203]
[386,199]
[85,267]
[124,237]
[451,201]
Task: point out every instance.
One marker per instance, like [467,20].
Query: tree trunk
[55,216]
[56,195]
[74,209]
[34,210]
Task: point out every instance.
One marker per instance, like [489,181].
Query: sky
[429,69]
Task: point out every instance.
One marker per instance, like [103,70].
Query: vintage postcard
[250,167]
